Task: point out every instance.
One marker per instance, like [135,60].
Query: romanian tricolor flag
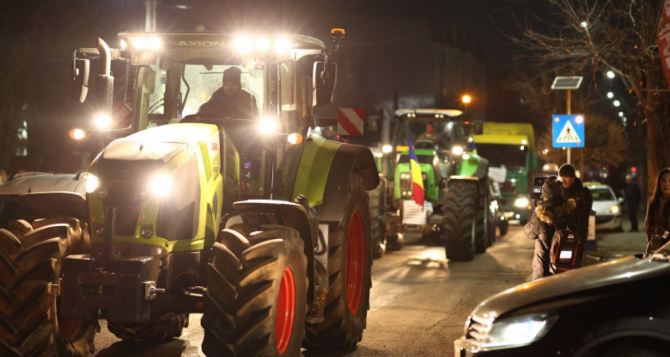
[417,180]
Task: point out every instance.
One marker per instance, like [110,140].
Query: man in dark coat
[633,196]
[573,189]
[230,101]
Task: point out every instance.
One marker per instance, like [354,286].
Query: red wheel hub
[355,262]
[285,310]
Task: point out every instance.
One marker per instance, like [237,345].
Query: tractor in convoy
[455,182]
[254,221]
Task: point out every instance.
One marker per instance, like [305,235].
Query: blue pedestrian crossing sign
[567,131]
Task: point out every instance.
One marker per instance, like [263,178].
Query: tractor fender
[473,165]
[349,159]
[43,195]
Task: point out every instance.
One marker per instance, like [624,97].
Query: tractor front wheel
[31,257]
[256,293]
[460,228]
[349,268]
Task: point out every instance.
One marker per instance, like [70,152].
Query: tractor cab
[254,87]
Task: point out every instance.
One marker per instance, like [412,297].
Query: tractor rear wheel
[255,302]
[349,268]
[160,330]
[460,220]
[31,256]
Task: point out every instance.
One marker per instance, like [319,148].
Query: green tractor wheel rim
[285,311]
[355,262]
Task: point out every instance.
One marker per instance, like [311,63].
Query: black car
[617,308]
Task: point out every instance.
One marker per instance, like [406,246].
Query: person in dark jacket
[657,220]
[633,196]
[230,101]
[573,189]
[554,211]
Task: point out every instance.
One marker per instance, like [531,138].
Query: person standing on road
[573,189]
[552,212]
[633,195]
[657,220]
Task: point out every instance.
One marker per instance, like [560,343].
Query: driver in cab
[230,101]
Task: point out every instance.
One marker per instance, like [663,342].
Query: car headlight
[92,183]
[457,150]
[521,202]
[160,185]
[615,210]
[517,331]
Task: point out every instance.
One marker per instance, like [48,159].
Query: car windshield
[443,133]
[602,194]
[508,155]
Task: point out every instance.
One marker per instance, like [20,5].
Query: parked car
[607,207]
[616,308]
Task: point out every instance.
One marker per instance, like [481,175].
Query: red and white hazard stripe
[351,121]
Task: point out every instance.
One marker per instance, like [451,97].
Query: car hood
[619,271]
[603,206]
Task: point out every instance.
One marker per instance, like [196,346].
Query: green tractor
[257,223]
[455,182]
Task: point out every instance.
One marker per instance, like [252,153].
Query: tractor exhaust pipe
[104,81]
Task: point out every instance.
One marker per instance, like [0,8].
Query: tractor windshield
[174,89]
[511,156]
[443,134]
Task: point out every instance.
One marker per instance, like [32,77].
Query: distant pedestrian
[632,195]
[573,189]
[657,220]
[552,212]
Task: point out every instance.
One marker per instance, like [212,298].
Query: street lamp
[616,103]
[466,99]
[610,95]
[610,74]
[621,114]
[584,24]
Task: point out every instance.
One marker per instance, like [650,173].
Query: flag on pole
[417,180]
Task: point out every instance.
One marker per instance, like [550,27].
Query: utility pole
[568,84]
[568,106]
[150,16]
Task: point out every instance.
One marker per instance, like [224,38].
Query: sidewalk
[612,245]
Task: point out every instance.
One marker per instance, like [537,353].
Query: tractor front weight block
[120,289]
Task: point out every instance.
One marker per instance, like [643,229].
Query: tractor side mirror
[324,78]
[81,71]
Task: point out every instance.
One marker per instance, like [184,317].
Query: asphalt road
[419,302]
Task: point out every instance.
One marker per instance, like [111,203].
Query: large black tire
[460,221]
[349,269]
[254,281]
[160,330]
[31,257]
[377,206]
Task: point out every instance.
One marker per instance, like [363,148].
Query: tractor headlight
[405,176]
[268,126]
[92,183]
[457,150]
[615,210]
[160,185]
[517,331]
[387,149]
[102,121]
[521,202]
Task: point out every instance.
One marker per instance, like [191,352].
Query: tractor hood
[620,271]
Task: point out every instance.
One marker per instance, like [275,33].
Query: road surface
[419,302]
